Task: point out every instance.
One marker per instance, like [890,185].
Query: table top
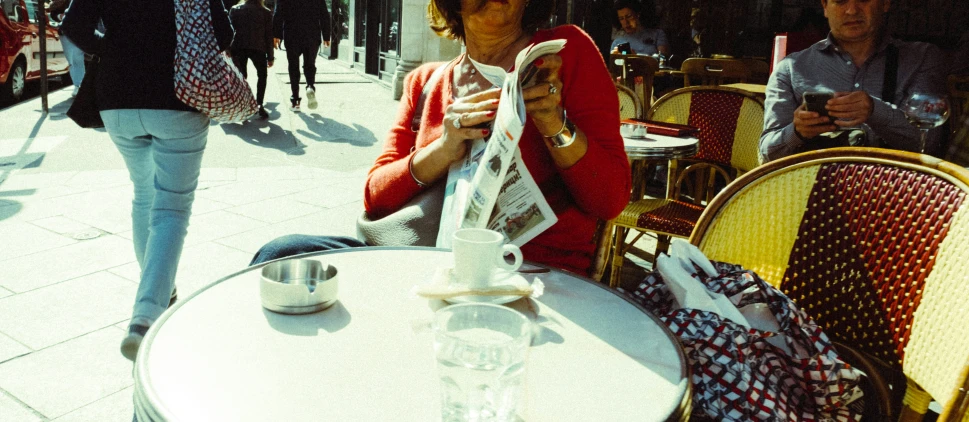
[755,88]
[218,355]
[660,147]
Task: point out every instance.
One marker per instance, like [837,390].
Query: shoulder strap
[415,120]
[891,74]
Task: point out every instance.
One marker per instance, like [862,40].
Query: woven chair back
[714,71]
[959,120]
[636,73]
[629,105]
[872,243]
[730,122]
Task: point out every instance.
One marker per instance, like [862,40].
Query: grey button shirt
[825,67]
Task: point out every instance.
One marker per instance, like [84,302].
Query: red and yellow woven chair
[874,244]
[730,123]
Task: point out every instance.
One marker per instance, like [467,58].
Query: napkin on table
[441,286]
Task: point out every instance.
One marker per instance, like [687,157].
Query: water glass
[480,350]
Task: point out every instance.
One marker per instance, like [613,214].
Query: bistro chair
[959,120]
[730,122]
[603,241]
[629,105]
[636,73]
[759,70]
[714,71]
[872,243]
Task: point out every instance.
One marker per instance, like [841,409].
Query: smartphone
[815,101]
[624,48]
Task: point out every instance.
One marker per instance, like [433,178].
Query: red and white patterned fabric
[737,375]
[204,77]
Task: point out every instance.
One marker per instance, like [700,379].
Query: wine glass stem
[923,134]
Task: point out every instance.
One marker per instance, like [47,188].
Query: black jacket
[254,28]
[137,50]
[301,22]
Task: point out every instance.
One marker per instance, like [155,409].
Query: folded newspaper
[491,187]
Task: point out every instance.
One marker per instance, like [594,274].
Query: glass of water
[480,350]
[925,111]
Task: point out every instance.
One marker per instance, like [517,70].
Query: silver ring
[457,122]
[552,89]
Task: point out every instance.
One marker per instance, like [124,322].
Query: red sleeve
[600,181]
[389,183]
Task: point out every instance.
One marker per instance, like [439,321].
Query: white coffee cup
[477,252]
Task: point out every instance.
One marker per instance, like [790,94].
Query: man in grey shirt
[851,63]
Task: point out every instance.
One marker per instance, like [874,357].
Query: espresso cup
[477,252]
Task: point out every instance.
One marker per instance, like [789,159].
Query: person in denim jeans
[159,137]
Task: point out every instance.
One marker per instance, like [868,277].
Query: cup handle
[514,251]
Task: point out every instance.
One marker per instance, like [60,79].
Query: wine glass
[925,111]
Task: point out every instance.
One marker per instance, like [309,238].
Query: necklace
[494,74]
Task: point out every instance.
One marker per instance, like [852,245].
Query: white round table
[220,356]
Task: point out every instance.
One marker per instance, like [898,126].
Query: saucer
[500,277]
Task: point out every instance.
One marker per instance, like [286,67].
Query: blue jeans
[295,244]
[75,58]
[163,152]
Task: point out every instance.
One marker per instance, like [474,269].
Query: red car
[20,48]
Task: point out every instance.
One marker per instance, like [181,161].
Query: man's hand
[809,124]
[276,43]
[850,108]
[326,43]
[270,63]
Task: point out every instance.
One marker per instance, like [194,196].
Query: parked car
[20,47]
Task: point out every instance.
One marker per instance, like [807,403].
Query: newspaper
[491,187]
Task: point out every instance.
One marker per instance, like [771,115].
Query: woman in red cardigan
[571,144]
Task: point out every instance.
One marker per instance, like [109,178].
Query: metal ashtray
[632,130]
[298,286]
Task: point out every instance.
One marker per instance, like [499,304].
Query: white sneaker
[294,108]
[311,98]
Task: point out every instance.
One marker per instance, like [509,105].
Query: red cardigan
[596,187]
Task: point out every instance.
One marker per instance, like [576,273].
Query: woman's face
[491,16]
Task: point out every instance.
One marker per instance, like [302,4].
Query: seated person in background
[582,170]
[631,17]
[853,63]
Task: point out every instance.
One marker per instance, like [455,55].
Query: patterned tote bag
[204,78]
[739,374]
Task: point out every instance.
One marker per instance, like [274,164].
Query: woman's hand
[460,118]
[432,163]
[543,98]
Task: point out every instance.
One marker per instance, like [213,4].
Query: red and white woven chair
[874,245]
[730,123]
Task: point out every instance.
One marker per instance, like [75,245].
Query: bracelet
[565,121]
[410,168]
[559,139]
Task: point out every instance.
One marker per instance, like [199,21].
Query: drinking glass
[480,350]
[925,111]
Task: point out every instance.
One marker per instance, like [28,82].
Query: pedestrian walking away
[160,138]
[302,25]
[74,55]
[253,40]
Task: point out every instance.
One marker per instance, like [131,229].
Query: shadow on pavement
[254,132]
[328,130]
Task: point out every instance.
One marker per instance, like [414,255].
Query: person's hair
[259,2]
[444,16]
[645,10]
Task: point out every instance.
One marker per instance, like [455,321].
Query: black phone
[815,101]
[624,48]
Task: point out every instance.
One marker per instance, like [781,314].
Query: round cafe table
[657,147]
[220,356]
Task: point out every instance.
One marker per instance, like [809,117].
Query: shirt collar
[828,43]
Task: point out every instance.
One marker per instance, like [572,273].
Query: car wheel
[14,89]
